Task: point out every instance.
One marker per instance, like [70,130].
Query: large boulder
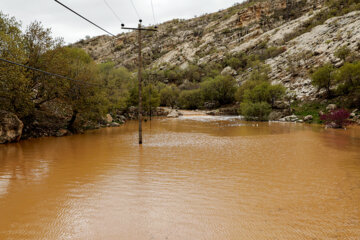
[11,127]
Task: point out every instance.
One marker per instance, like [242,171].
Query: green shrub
[260,71]
[342,52]
[151,98]
[349,75]
[323,77]
[255,111]
[264,92]
[191,99]
[220,89]
[169,96]
[233,62]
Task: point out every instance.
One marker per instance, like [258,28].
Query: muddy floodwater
[197,177]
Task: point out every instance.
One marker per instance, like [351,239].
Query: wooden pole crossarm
[141,29]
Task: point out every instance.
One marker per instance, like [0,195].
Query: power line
[152,7]
[85,18]
[45,72]
[112,10]
[137,13]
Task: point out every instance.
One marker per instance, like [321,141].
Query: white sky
[72,28]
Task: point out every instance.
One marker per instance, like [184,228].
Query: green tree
[15,93]
[349,75]
[323,78]
[260,71]
[220,89]
[169,96]
[42,52]
[151,98]
[264,92]
[86,97]
[276,92]
[191,99]
[255,111]
[192,73]
[116,82]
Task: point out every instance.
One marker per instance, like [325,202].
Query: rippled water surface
[194,178]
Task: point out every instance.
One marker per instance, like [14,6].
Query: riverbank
[42,124]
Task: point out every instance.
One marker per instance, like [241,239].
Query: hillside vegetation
[266,58]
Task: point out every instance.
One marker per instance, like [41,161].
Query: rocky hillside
[306,37]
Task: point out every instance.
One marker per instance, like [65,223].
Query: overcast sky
[72,28]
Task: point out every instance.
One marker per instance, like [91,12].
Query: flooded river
[194,178]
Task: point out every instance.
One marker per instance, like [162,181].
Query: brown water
[194,178]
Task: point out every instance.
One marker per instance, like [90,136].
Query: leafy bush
[169,96]
[342,52]
[264,92]
[349,75]
[255,111]
[323,77]
[336,118]
[191,99]
[220,89]
[233,62]
[260,71]
[151,98]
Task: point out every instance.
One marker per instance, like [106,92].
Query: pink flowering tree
[336,118]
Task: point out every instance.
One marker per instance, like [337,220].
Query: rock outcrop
[243,28]
[11,127]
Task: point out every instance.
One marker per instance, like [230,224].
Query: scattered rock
[308,118]
[229,111]
[209,105]
[174,114]
[275,116]
[281,105]
[331,107]
[62,133]
[292,118]
[108,118]
[228,71]
[11,127]
[160,111]
[114,124]
[213,113]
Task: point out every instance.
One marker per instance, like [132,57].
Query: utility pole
[139,29]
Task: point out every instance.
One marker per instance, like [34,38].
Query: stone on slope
[10,127]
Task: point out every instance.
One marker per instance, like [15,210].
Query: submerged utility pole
[139,29]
